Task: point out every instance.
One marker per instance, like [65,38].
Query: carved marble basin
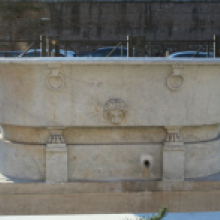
[68,119]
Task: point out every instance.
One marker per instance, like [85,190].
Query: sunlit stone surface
[109,119]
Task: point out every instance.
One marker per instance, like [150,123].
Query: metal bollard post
[43,46]
[130,43]
[48,46]
[150,49]
[65,48]
[136,46]
[142,46]
[216,46]
[207,50]
[122,54]
[57,46]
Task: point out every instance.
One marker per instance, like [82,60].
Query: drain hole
[147,163]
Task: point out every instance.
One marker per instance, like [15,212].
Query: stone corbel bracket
[173,155]
[177,76]
[56,138]
[55,80]
[173,140]
[56,156]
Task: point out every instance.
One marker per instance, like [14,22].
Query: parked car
[103,52]
[82,54]
[190,54]
[36,53]
[10,53]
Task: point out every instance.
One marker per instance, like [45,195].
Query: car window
[32,54]
[201,55]
[100,53]
[2,54]
[13,54]
[117,53]
[36,54]
[185,55]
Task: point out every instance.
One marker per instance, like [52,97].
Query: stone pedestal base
[107,197]
[173,161]
[56,163]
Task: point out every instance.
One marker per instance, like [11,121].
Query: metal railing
[152,48]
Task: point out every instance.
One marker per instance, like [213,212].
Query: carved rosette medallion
[115,111]
[55,80]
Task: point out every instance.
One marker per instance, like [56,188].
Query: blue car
[191,54]
[36,53]
[103,52]
[10,53]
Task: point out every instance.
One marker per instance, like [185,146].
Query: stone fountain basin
[27,100]
[71,94]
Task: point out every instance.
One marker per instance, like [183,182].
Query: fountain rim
[111,61]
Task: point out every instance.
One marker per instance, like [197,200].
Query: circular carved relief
[55,82]
[115,111]
[175,82]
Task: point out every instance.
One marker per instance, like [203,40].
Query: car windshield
[203,55]
[105,52]
[13,54]
[191,55]
[32,54]
[100,53]
[185,55]
[117,53]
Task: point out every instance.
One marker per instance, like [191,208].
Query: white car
[36,53]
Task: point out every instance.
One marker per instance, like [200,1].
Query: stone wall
[110,21]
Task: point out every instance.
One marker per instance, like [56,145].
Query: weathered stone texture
[108,197]
[65,134]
